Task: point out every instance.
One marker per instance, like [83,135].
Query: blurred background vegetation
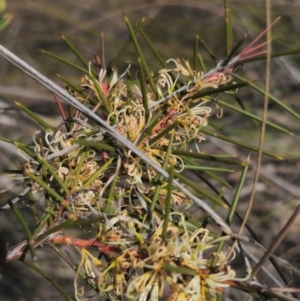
[172,26]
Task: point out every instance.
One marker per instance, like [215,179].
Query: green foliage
[5,18]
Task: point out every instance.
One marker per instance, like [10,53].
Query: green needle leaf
[126,44]
[224,88]
[208,50]
[78,54]
[219,179]
[180,270]
[207,168]
[160,178]
[93,144]
[45,185]
[100,93]
[66,224]
[24,225]
[20,218]
[195,53]
[237,193]
[234,51]
[228,28]
[168,203]
[49,278]
[200,190]
[97,173]
[143,89]
[250,115]
[164,132]
[45,163]
[73,86]
[60,59]
[152,47]
[39,120]
[141,56]
[212,158]
[276,100]
[239,143]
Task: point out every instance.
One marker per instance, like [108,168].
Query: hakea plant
[147,246]
[150,269]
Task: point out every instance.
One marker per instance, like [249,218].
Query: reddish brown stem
[86,243]
[18,251]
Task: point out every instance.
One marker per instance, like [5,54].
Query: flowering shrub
[147,246]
